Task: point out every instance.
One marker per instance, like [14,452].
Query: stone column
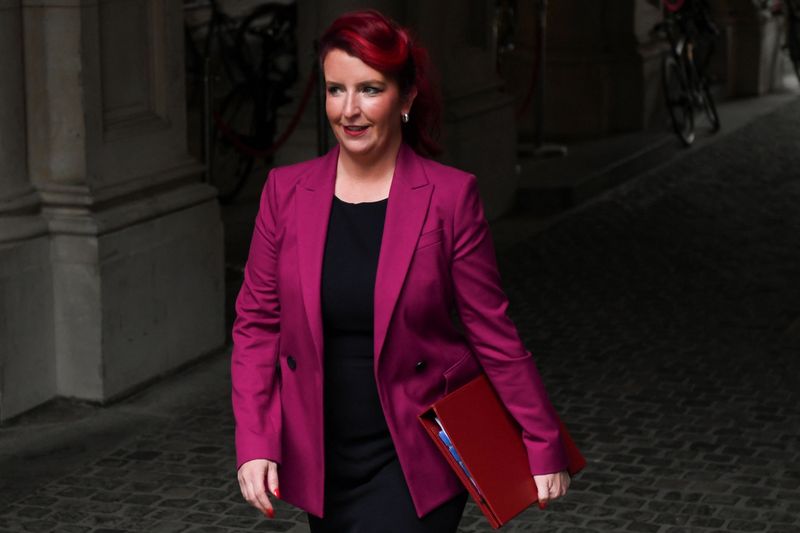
[136,237]
[480,132]
[27,372]
[517,66]
[717,70]
[754,49]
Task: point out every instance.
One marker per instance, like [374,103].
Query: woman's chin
[357,147]
[366,147]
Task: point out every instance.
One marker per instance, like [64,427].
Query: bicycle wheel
[710,107]
[678,99]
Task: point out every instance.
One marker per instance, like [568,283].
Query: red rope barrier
[673,5]
[230,134]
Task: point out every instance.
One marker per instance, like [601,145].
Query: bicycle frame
[681,48]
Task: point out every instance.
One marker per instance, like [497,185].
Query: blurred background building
[112,243]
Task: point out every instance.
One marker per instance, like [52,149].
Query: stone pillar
[517,66]
[27,372]
[603,69]
[480,132]
[136,238]
[754,49]
[718,65]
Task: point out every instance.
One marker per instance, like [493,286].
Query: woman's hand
[551,486]
[252,476]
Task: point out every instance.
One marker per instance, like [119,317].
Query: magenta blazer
[436,255]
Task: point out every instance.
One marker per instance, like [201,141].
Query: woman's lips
[355,131]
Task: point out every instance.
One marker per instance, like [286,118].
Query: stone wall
[111,266]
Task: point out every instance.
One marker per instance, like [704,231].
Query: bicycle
[247,65]
[690,32]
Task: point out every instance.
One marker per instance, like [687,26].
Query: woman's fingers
[252,481]
[272,479]
[543,488]
[262,500]
[565,481]
[551,486]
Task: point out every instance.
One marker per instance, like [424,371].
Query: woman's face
[363,106]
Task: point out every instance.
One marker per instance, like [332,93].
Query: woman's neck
[369,168]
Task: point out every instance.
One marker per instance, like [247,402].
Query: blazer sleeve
[256,336]
[482,306]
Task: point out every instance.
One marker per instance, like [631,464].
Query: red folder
[489,442]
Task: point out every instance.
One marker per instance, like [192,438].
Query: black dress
[365,491]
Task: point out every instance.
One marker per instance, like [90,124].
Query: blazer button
[420,366]
[291,363]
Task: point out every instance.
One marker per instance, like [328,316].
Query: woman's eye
[371,90]
[334,90]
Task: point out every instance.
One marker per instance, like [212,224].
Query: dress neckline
[360,203]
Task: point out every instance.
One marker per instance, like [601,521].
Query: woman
[344,333]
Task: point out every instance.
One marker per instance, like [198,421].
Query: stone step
[553,184]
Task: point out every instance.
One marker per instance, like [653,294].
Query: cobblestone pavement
[665,318]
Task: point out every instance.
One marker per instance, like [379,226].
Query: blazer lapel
[409,197]
[313,202]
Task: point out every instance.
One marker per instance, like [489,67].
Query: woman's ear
[408,101]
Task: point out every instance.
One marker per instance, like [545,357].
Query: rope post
[543,149]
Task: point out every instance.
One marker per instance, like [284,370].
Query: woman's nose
[351,107]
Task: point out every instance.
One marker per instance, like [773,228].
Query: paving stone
[137,511]
[75,492]
[142,499]
[30,512]
[179,503]
[201,518]
[780,528]
[706,522]
[606,525]
[642,527]
[169,527]
[743,525]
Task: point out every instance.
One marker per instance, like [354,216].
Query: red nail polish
[542,505]
[277,493]
[271,513]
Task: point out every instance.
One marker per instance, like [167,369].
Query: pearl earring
[404,117]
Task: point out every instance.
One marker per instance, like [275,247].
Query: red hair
[389,48]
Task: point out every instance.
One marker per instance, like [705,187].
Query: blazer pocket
[430,237]
[461,372]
